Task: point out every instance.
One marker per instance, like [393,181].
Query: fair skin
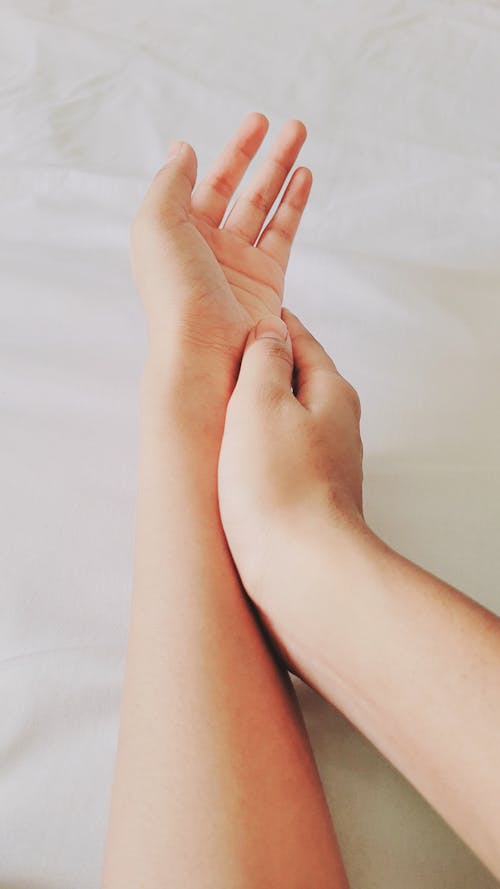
[412,662]
[209,790]
[215,785]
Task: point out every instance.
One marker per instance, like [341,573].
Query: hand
[291,461]
[411,661]
[204,286]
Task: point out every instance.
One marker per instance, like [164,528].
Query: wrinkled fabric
[396,269]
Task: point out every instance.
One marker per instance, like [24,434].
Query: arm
[412,662]
[415,665]
[215,785]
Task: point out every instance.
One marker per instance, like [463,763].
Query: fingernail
[272,327]
[174,150]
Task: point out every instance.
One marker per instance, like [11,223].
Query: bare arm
[415,665]
[411,661]
[215,785]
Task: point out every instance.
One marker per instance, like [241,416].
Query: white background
[397,271]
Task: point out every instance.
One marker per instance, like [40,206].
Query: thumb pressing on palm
[267,363]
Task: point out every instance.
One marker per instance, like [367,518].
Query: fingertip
[300,128]
[305,174]
[183,153]
[293,323]
[259,120]
[172,184]
[310,356]
[303,180]
[272,327]
[267,362]
[174,149]
[296,327]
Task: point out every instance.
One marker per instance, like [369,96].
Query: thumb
[169,194]
[267,363]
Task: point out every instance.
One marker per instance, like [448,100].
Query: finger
[276,239]
[314,370]
[214,192]
[250,210]
[267,363]
[169,195]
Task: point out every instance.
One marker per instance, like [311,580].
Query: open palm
[254,266]
[204,279]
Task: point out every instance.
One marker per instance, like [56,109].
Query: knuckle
[306,337]
[259,200]
[239,231]
[281,231]
[278,356]
[294,206]
[244,152]
[280,165]
[352,397]
[277,352]
[221,184]
[346,391]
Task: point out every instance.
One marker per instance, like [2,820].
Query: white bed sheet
[397,270]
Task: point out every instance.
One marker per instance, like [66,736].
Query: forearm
[208,721]
[415,665]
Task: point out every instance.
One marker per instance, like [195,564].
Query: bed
[396,269]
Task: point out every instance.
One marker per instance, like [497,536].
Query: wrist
[317,574]
[185,397]
[319,532]
[322,536]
